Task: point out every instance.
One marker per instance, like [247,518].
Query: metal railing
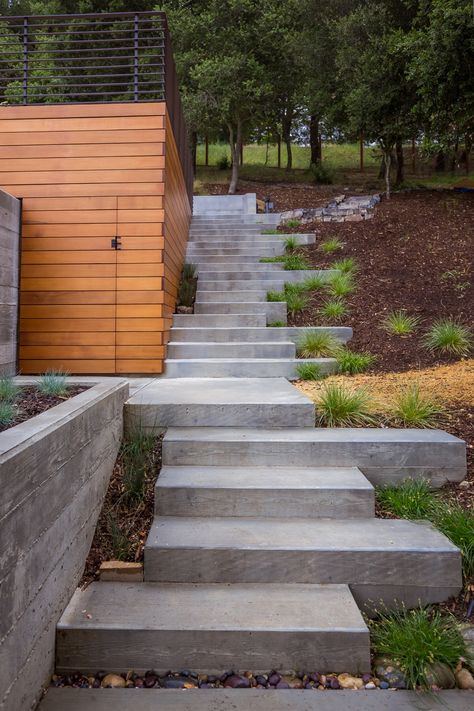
[92,58]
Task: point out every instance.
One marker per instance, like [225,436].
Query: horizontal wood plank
[74,367]
[152,108]
[65,325]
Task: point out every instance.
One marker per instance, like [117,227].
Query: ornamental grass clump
[318,344]
[7,413]
[333,309]
[273,295]
[53,383]
[400,323]
[341,285]
[9,390]
[291,243]
[417,639]
[137,461]
[296,302]
[314,283]
[294,262]
[449,337]
[352,363]
[329,246]
[411,499]
[309,371]
[413,409]
[457,524]
[337,406]
[345,266]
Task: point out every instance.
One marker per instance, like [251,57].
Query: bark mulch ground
[284,196]
[32,402]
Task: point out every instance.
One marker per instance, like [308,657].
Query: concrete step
[211,628]
[239,285]
[290,492]
[195,321]
[230,259]
[380,559]
[384,455]
[70,699]
[247,240]
[254,334]
[270,349]
[194,254]
[271,279]
[242,367]
[218,403]
[219,296]
[207,269]
[274,310]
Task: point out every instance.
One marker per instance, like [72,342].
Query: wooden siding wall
[89,173]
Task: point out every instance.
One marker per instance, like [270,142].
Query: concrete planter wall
[10,216]
[54,472]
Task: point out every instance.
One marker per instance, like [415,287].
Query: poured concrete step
[238,286]
[194,321]
[243,367]
[379,559]
[255,334]
[383,455]
[290,492]
[211,628]
[265,272]
[218,402]
[274,310]
[207,269]
[195,254]
[231,295]
[230,259]
[263,349]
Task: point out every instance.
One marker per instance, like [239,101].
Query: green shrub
[223,163]
[417,639]
[400,323]
[411,499]
[186,293]
[271,260]
[292,222]
[457,524]
[337,406]
[295,262]
[334,309]
[291,243]
[276,324]
[353,363]
[294,288]
[341,285]
[7,413]
[449,336]
[53,382]
[296,302]
[137,453]
[309,371]
[321,174]
[345,266]
[9,390]
[331,245]
[318,344]
[412,409]
[273,295]
[189,271]
[314,283]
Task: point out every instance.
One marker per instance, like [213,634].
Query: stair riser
[229,260]
[195,321]
[241,369]
[231,350]
[194,255]
[229,335]
[249,238]
[240,285]
[215,281]
[207,270]
[219,296]
[274,310]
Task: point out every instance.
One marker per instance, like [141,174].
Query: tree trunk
[206,157]
[279,151]
[413,156]
[315,140]
[267,149]
[468,146]
[361,152]
[194,140]
[440,163]
[286,123]
[235,141]
[388,163]
[400,163]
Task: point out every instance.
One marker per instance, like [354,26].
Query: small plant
[296,302]
[412,409]
[309,371]
[291,243]
[341,285]
[186,293]
[450,337]
[329,246]
[189,272]
[137,452]
[54,383]
[318,344]
[292,222]
[273,295]
[295,262]
[119,541]
[334,309]
[345,266]
[314,283]
[223,163]
[271,260]
[276,324]
[321,174]
[9,390]
[337,406]
[270,232]
[457,524]
[7,413]
[417,639]
[412,499]
[400,323]
[294,288]
[353,363]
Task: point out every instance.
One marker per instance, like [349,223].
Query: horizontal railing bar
[69,87]
[94,15]
[92,40]
[31,53]
[88,93]
[70,59]
[89,76]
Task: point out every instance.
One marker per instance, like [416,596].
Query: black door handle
[115,243]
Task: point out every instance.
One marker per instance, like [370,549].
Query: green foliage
[272,260]
[412,499]
[294,262]
[338,406]
[318,344]
[457,524]
[186,293]
[449,337]
[400,323]
[296,302]
[270,232]
[309,371]
[273,295]
[314,283]
[189,271]
[291,243]
[54,383]
[119,541]
[353,363]
[412,409]
[291,223]
[416,639]
[9,390]
[294,288]
[333,309]
[276,324]
[348,265]
[341,284]
[137,461]
[329,246]
[7,413]
[321,174]
[223,163]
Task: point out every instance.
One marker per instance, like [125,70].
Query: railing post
[25,60]
[135,58]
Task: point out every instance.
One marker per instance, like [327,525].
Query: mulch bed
[415,254]
[32,402]
[284,196]
[123,526]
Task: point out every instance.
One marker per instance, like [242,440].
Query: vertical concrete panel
[10,217]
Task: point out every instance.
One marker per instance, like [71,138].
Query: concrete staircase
[265,546]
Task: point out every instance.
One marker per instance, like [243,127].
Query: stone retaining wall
[54,472]
[10,220]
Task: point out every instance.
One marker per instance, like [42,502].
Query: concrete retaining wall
[10,216]
[225,204]
[54,472]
